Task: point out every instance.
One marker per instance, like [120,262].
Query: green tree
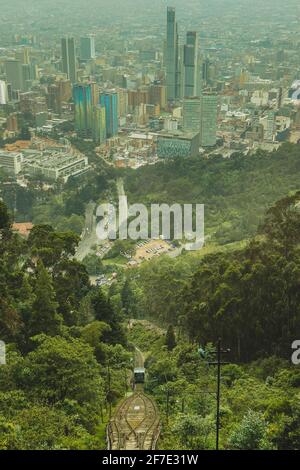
[170,338]
[105,313]
[60,369]
[251,434]
[44,317]
[93,264]
[128,299]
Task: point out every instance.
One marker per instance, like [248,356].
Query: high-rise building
[14,74]
[200,115]
[68,53]
[191,68]
[99,124]
[87,47]
[122,102]
[12,123]
[82,94]
[171,56]
[157,94]
[269,126]
[90,119]
[59,92]
[23,55]
[192,114]
[208,129]
[205,71]
[95,93]
[3,92]
[109,100]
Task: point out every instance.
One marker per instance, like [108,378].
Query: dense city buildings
[177,74]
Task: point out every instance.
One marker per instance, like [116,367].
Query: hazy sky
[68,14]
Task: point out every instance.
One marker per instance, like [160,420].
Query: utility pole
[168,404]
[108,390]
[219,364]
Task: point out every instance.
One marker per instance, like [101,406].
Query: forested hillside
[236,191]
[259,401]
[63,339]
[248,296]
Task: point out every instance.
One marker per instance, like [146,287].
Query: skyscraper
[171,56]
[82,94]
[192,114]
[68,53]
[14,74]
[200,115]
[87,48]
[191,68]
[99,124]
[23,54]
[109,100]
[208,129]
[90,119]
[3,93]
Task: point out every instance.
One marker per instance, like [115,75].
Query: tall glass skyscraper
[68,54]
[90,119]
[109,100]
[191,69]
[83,100]
[172,56]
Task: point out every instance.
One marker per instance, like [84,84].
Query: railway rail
[135,425]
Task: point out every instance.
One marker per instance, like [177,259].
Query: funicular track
[135,425]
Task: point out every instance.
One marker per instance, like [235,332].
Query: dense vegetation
[63,341]
[248,296]
[236,191]
[67,350]
[259,401]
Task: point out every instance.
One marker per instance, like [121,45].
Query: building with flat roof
[11,162]
[170,145]
[55,164]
